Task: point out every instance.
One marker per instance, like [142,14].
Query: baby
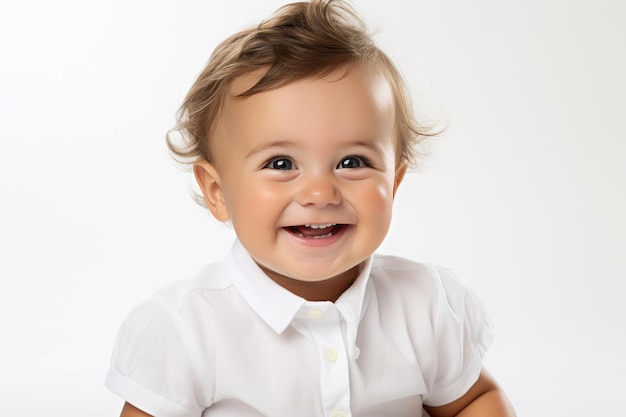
[299,132]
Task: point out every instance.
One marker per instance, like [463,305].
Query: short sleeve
[463,332]
[155,363]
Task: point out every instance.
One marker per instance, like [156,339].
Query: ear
[211,185]
[398,178]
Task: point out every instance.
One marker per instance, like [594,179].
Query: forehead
[358,99]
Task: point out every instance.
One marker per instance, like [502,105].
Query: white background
[524,193]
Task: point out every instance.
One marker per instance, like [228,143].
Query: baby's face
[306,173]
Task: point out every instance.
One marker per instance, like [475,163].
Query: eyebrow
[275,144]
[365,145]
[288,144]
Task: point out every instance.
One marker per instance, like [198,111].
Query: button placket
[334,374]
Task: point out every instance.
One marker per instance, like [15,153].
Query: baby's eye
[351,162]
[280,163]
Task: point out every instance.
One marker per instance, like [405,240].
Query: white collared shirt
[232,342]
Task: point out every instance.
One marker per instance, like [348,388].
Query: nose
[318,190]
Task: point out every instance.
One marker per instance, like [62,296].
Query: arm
[484,399]
[130,410]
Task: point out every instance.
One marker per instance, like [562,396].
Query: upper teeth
[319,226]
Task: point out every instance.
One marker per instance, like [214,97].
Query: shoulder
[179,313]
[186,303]
[398,270]
[426,283]
[209,280]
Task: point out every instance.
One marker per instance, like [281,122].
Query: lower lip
[320,242]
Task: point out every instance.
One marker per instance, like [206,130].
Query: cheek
[376,199]
[251,202]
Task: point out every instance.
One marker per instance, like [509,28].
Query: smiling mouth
[316,231]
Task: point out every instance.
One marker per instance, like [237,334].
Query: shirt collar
[274,304]
[278,306]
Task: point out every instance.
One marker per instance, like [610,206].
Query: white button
[314,313]
[331,355]
[338,413]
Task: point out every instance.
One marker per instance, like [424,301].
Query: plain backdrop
[524,193]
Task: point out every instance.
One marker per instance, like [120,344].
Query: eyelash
[365,162]
[268,164]
[276,158]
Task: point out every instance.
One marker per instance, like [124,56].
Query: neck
[325,290]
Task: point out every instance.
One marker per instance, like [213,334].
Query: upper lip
[317,222]
[319,225]
[315,225]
